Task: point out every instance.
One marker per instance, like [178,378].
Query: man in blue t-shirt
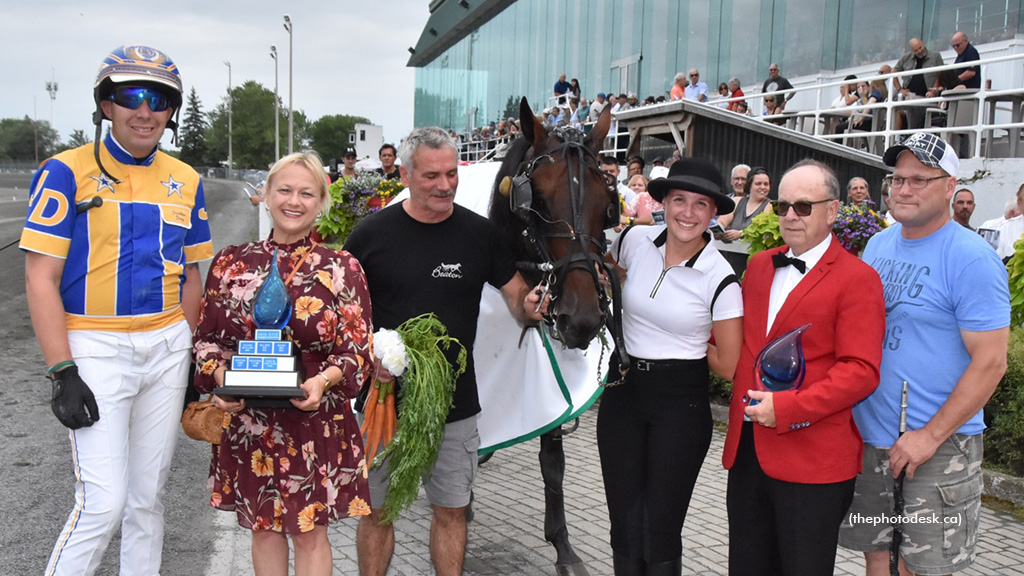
[947,326]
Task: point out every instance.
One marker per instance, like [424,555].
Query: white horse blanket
[528,390]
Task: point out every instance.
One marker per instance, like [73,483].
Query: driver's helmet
[138,65]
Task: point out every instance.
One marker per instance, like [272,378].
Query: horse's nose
[578,330]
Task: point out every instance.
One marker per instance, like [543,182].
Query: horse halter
[519,190]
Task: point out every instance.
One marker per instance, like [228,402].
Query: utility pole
[230,98]
[288,27]
[51,87]
[277,109]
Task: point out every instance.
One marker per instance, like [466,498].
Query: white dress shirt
[787,278]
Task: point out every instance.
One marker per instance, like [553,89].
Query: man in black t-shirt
[776,82]
[387,155]
[921,84]
[427,254]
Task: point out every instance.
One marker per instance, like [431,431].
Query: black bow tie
[780,260]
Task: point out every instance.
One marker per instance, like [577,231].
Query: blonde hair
[633,179]
[309,160]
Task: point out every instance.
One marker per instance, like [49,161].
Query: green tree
[328,136]
[78,138]
[511,108]
[27,139]
[192,133]
[252,128]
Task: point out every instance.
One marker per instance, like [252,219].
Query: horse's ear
[597,135]
[532,128]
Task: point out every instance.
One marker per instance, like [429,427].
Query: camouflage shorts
[940,517]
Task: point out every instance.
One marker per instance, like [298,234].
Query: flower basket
[855,225]
[351,200]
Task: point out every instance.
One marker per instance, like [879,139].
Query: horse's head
[552,195]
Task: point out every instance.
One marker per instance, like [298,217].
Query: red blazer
[815,440]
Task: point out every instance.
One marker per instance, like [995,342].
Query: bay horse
[553,202]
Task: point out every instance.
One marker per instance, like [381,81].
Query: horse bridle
[519,190]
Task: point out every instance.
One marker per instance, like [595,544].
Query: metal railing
[988,109]
[982,127]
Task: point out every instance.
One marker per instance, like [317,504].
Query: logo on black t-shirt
[448,271]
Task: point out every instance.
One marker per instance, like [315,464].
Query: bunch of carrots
[380,419]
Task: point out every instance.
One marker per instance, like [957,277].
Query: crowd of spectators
[851,111]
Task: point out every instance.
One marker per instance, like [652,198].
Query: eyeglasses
[801,207]
[956,44]
[915,182]
[694,75]
[132,97]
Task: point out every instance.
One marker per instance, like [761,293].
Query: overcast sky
[349,55]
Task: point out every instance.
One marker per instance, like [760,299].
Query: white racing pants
[121,462]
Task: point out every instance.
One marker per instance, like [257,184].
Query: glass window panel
[739,42]
[871,31]
[797,35]
[982,20]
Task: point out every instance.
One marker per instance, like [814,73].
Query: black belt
[663,365]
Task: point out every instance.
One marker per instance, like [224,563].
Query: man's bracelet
[59,366]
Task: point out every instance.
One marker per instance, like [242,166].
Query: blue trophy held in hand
[267,366]
[780,365]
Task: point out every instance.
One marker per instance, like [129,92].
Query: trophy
[267,366]
[780,365]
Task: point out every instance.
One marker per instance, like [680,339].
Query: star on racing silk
[103,182]
[173,186]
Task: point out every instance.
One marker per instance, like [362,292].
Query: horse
[553,202]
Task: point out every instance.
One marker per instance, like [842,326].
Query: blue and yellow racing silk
[124,260]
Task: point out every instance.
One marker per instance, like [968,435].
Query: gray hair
[849,184]
[432,137]
[735,81]
[738,167]
[680,76]
[827,174]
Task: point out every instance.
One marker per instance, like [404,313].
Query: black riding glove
[73,402]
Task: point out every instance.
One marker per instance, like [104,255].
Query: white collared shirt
[788,277]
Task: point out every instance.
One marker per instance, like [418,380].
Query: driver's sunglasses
[132,97]
[801,207]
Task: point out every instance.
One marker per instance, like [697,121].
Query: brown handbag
[202,420]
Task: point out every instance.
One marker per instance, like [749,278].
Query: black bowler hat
[693,175]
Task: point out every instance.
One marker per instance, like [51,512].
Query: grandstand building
[476,58]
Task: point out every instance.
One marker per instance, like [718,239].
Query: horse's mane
[500,213]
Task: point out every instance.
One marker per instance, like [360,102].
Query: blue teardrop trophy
[780,365]
[267,366]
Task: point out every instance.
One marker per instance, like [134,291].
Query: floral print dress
[289,470]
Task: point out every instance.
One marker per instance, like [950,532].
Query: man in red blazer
[793,457]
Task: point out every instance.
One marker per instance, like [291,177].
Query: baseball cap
[601,95]
[659,172]
[931,150]
[350,152]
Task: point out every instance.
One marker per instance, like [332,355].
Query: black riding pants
[653,432]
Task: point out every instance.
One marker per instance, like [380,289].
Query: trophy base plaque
[263,368]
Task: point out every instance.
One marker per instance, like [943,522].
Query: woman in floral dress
[288,472]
